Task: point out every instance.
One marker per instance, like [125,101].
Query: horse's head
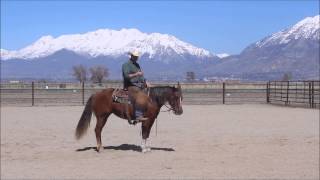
[175,100]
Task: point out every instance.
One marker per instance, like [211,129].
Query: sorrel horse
[102,105]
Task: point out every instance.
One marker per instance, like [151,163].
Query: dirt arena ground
[218,141]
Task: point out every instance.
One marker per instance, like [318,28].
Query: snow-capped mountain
[222,55]
[6,54]
[294,50]
[161,55]
[308,28]
[106,42]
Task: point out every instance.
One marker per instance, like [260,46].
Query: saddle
[121,96]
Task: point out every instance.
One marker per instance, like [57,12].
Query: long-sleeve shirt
[131,67]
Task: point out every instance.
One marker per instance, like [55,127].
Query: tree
[287,76]
[80,73]
[191,76]
[98,73]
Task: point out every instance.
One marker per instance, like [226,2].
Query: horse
[102,105]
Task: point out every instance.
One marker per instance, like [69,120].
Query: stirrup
[132,122]
[137,120]
[140,119]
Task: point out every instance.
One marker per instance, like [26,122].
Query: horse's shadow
[126,147]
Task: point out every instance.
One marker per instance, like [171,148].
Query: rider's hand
[139,73]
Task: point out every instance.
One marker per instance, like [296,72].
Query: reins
[168,108]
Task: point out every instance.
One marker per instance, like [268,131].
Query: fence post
[287,100]
[223,92]
[310,101]
[83,93]
[312,94]
[32,93]
[281,85]
[268,91]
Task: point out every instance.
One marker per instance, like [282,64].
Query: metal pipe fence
[291,93]
[294,93]
[39,94]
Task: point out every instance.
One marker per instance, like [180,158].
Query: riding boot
[138,99]
[139,115]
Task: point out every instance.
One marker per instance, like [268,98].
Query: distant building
[14,82]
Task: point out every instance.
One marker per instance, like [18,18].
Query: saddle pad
[120,96]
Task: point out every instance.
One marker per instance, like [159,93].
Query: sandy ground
[220,141]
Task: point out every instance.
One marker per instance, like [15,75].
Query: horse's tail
[85,119]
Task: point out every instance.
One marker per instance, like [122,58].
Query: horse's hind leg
[101,121]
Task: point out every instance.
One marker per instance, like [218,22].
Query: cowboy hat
[134,53]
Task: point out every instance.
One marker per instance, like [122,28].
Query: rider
[134,82]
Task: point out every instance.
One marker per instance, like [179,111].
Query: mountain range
[294,50]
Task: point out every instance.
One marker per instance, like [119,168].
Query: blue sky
[218,26]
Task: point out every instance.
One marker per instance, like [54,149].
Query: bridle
[168,108]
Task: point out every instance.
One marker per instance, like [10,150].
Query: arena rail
[294,93]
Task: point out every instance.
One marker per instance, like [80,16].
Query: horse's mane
[160,90]
[160,93]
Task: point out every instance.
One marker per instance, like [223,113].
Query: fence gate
[297,93]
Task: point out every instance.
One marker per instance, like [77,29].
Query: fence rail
[294,93]
[26,94]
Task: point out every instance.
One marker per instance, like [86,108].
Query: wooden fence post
[32,93]
[223,92]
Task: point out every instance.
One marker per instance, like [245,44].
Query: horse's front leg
[145,135]
[145,147]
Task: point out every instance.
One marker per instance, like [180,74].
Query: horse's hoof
[144,150]
[98,149]
[148,149]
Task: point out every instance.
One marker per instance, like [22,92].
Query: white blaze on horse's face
[175,101]
[180,98]
[180,111]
